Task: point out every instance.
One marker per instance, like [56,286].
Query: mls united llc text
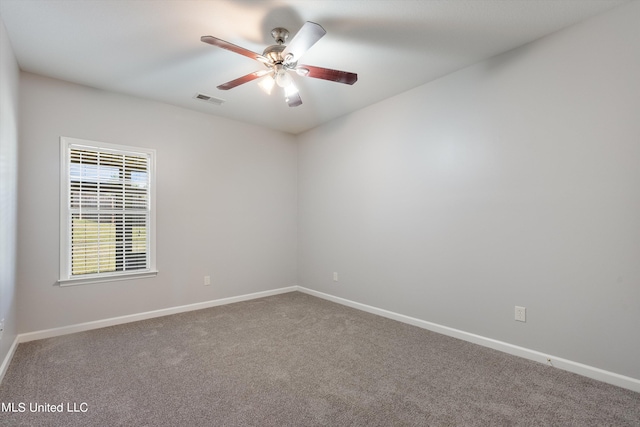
[44,407]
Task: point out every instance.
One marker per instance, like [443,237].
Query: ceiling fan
[279,59]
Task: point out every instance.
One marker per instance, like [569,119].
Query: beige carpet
[293,360]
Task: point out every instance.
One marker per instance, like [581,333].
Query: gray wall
[513,182]
[226,204]
[9,83]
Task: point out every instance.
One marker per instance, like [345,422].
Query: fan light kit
[279,60]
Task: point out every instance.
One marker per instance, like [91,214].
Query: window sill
[102,279]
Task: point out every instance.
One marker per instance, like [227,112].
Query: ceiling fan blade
[294,100]
[327,74]
[308,35]
[243,79]
[233,48]
[292,96]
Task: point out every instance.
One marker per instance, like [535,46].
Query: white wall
[9,83]
[226,204]
[512,182]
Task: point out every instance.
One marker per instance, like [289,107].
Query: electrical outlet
[335,276]
[521,314]
[1,328]
[207,280]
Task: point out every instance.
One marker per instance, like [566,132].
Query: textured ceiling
[152,48]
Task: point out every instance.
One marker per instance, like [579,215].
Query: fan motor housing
[274,53]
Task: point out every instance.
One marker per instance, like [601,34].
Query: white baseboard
[558,362]
[80,327]
[8,357]
[567,365]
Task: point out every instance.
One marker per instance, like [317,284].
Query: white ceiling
[152,48]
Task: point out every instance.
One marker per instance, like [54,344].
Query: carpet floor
[292,360]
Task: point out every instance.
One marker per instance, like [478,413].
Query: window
[107,212]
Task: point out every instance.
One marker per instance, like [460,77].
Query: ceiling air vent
[208,98]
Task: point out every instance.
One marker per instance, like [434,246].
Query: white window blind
[106,211]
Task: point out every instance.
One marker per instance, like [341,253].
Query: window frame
[65,276]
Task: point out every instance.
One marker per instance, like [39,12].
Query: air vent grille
[208,98]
